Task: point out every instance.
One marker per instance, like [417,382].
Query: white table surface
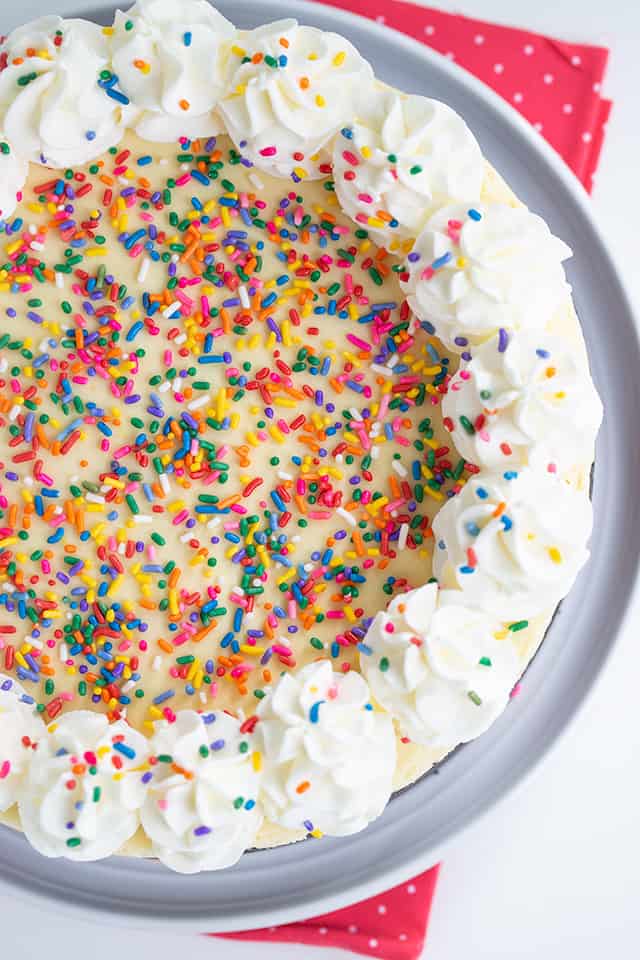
[552,872]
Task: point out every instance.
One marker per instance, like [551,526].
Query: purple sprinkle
[503,340]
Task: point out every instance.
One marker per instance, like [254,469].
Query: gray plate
[308,878]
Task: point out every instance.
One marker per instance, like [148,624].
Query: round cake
[296,431]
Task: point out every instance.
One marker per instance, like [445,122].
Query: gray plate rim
[300,880]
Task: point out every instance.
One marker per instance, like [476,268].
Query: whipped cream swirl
[55,108]
[329,756]
[84,787]
[170,59]
[514,542]
[403,158]
[21,730]
[290,90]
[201,812]
[443,669]
[14,171]
[529,401]
[477,270]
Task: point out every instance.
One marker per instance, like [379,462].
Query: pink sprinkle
[361,344]
[5,769]
[281,650]
[268,152]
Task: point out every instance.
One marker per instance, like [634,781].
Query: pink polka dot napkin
[391,926]
[556,87]
[553,84]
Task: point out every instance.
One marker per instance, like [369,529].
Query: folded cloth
[391,926]
[556,87]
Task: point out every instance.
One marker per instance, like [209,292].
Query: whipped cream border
[129,120]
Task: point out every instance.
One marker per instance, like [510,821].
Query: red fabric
[553,84]
[391,926]
[556,87]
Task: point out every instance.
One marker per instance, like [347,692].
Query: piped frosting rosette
[514,542]
[527,399]
[84,787]
[290,90]
[170,60]
[442,668]
[329,756]
[21,731]
[401,159]
[57,104]
[200,812]
[477,271]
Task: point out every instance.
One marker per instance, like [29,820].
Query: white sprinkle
[157,663]
[399,468]
[164,387]
[144,269]
[284,476]
[164,483]
[63,652]
[170,309]
[256,181]
[142,518]
[346,516]
[404,533]
[200,402]
[93,498]
[244,297]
